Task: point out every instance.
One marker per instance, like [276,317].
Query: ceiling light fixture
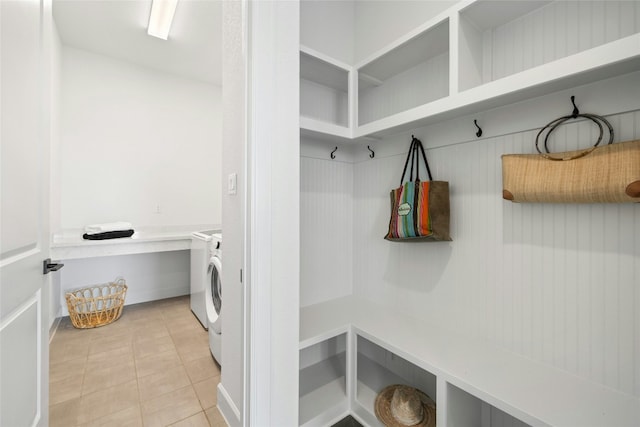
[162,12]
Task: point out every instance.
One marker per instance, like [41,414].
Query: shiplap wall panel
[323,103]
[558,283]
[418,85]
[326,230]
[554,31]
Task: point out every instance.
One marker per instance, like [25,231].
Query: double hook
[371,152]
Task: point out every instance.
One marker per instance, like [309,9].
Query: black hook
[479,133]
[575,109]
[371,154]
[333,156]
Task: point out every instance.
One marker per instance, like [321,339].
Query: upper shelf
[475,56]
[408,54]
[323,70]
[614,59]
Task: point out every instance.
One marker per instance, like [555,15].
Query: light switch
[232,183]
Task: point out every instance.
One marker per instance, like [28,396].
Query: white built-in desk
[473,382]
[70,244]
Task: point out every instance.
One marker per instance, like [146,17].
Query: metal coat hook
[371,153]
[479,133]
[333,156]
[575,112]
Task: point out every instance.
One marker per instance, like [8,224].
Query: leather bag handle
[413,156]
[598,120]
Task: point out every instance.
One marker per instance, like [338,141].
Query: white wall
[378,23]
[149,277]
[234,70]
[326,222]
[132,140]
[136,141]
[328,27]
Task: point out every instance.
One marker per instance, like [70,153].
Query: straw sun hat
[402,406]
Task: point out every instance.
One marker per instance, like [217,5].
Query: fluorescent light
[162,12]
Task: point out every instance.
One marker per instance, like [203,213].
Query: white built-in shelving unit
[474,56]
[324,95]
[472,382]
[323,386]
[414,73]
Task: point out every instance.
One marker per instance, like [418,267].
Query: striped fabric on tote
[410,215]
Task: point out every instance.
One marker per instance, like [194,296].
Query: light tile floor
[152,367]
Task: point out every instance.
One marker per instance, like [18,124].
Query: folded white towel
[109,226]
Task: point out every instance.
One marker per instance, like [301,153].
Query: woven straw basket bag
[606,174]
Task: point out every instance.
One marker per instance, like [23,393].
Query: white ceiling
[118,28]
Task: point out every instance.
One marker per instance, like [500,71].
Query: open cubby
[322,381]
[466,410]
[412,74]
[498,38]
[324,90]
[377,368]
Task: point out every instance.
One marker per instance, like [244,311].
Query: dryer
[213,298]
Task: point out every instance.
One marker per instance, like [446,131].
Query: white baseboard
[227,408]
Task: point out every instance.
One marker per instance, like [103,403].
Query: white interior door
[24,128]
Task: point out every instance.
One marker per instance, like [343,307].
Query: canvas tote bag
[419,209]
[606,174]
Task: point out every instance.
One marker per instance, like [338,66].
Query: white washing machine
[213,297]
[200,255]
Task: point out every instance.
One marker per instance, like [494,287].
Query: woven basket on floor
[96,305]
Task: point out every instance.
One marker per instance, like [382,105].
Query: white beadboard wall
[326,223]
[557,283]
[418,85]
[554,31]
[323,103]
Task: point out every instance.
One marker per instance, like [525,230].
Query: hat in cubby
[401,406]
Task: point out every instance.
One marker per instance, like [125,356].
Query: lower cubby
[466,410]
[322,382]
[377,368]
[351,349]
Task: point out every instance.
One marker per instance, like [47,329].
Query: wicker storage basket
[96,305]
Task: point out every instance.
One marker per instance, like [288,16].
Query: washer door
[214,294]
